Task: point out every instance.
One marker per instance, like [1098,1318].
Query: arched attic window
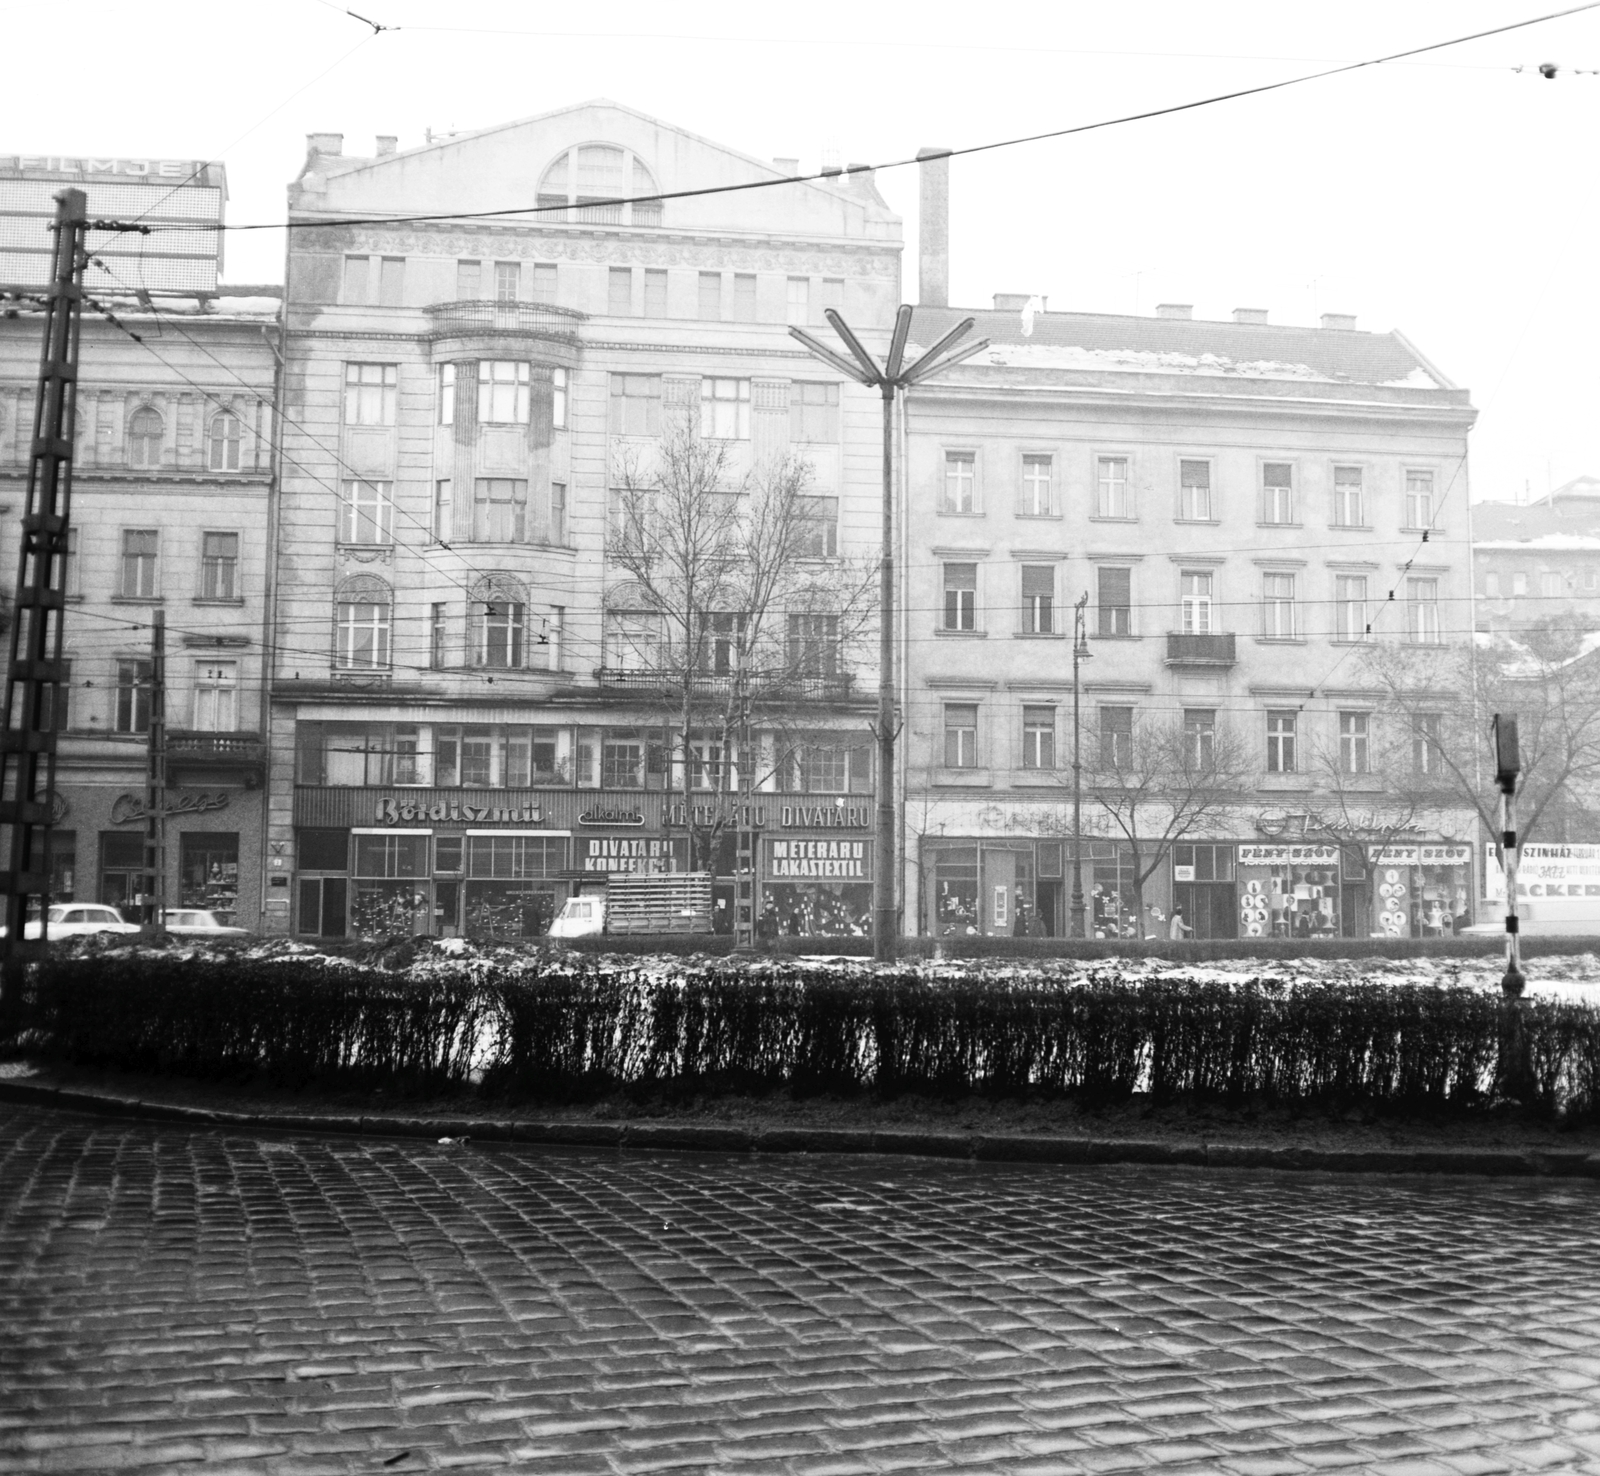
[363,613]
[145,429]
[593,179]
[226,432]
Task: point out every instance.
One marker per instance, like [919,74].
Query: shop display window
[208,872]
[1113,899]
[63,853]
[1289,891]
[122,870]
[510,891]
[391,895]
[955,890]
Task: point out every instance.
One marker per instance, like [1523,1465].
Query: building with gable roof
[1538,562]
[459,732]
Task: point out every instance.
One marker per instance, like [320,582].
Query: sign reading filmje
[819,860]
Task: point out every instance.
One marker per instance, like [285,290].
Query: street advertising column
[1288,891]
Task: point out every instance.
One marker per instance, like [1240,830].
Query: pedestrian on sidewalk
[1180,929]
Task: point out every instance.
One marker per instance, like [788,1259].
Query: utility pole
[155,787]
[887,379]
[1514,1072]
[33,677]
[1080,653]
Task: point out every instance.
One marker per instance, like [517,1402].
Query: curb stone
[704,1138]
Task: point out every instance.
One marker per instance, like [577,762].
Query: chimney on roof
[860,173]
[1249,315]
[1344,321]
[786,166]
[933,228]
[1014,302]
[1184,310]
[386,144]
[325,143]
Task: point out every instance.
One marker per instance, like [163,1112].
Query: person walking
[1179,928]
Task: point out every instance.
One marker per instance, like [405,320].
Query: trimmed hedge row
[545,1032]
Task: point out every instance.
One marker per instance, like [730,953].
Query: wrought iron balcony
[527,319]
[765,687]
[1200,650]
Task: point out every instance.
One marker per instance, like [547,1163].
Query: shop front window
[955,891]
[208,872]
[1288,891]
[1113,899]
[391,893]
[511,889]
[122,870]
[1203,889]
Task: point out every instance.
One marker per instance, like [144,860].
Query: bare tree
[1442,698]
[1163,781]
[733,605]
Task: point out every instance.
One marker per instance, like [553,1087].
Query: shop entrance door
[447,909]
[323,901]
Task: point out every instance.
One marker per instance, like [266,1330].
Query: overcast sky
[1452,198]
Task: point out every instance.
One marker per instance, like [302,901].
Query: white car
[74,919]
[189,922]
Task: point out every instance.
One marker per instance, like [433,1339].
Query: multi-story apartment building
[1538,563]
[171,486]
[466,716]
[1239,502]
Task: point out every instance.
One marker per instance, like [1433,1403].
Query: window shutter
[1038,579]
[1115,585]
[961,576]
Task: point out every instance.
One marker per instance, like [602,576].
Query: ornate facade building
[469,714]
[171,490]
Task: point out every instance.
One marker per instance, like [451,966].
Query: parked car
[191,922]
[74,919]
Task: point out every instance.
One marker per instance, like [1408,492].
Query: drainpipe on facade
[269,601]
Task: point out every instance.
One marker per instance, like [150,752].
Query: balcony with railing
[763,687]
[1212,649]
[523,319]
[214,756]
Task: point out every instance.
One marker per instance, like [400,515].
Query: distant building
[466,721]
[1539,562]
[1238,501]
[171,490]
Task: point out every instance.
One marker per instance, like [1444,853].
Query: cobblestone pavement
[176,1300]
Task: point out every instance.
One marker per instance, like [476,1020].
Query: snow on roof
[1544,542]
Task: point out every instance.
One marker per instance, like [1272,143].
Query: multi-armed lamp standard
[890,377]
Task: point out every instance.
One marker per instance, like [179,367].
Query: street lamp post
[892,377]
[1080,653]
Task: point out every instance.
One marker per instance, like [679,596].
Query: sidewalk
[978,1131]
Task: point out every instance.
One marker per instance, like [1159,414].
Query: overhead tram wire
[1005,143]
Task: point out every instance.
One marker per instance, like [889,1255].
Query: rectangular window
[1116,737]
[814,412]
[817,527]
[1112,499]
[469,280]
[725,409]
[636,404]
[1427,757]
[621,759]
[1200,736]
[619,299]
[710,309]
[1519,585]
[1350,607]
[960,482]
[139,547]
[447,394]
[558,512]
[133,697]
[504,387]
[1114,590]
[744,297]
[961,735]
[558,398]
[1038,737]
[361,636]
[545,281]
[1194,491]
[1038,599]
[499,510]
[960,596]
[799,301]
[392,282]
[655,293]
[1280,742]
[1419,499]
[501,625]
[507,281]
[365,513]
[436,637]
[216,696]
[443,510]
[814,645]
[1195,586]
[391,856]
[370,392]
[1277,492]
[1349,497]
[1038,487]
[1277,607]
[1422,611]
[357,280]
[219,566]
[1355,737]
